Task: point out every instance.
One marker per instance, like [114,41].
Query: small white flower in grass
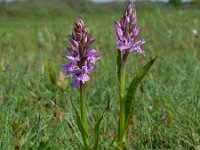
[150,107]
[194,32]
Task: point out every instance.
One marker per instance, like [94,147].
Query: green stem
[122,102]
[84,114]
[83,105]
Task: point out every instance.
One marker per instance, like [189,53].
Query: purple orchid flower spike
[127,32]
[126,39]
[82,59]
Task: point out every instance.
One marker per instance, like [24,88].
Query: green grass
[36,113]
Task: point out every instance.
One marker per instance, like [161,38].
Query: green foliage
[97,128]
[84,132]
[176,3]
[131,93]
[169,116]
[52,73]
[119,58]
[97,132]
[82,129]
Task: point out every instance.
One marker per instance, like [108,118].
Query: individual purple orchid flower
[127,32]
[82,59]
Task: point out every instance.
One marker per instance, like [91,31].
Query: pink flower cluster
[82,58]
[127,32]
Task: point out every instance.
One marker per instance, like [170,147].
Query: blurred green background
[35,111]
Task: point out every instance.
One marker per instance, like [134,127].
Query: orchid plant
[82,60]
[126,39]
[81,64]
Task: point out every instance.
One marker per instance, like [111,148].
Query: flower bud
[85,30]
[74,43]
[85,39]
[79,36]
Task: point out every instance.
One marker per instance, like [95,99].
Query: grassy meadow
[35,108]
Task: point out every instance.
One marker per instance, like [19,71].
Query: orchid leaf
[81,128]
[97,132]
[97,127]
[130,98]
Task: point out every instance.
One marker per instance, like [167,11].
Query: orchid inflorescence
[82,63]
[127,32]
[82,59]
